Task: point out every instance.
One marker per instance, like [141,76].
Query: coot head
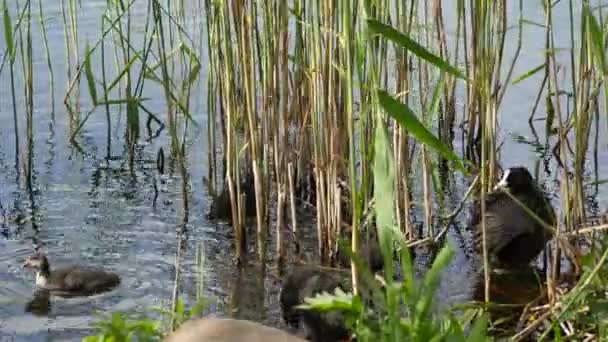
[37,262]
[516,180]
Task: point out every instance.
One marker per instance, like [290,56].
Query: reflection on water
[85,208]
[40,304]
[510,293]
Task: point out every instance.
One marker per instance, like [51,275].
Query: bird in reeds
[221,206]
[370,254]
[308,281]
[514,237]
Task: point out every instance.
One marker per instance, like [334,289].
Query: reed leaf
[528,74]
[89,74]
[432,280]
[123,101]
[407,43]
[194,60]
[597,39]
[479,330]
[384,191]
[406,118]
[8,33]
[123,72]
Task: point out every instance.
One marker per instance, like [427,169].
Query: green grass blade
[89,74]
[478,331]
[122,101]
[528,74]
[422,310]
[415,48]
[196,65]
[406,118]
[439,264]
[409,276]
[597,38]
[123,72]
[384,191]
[8,32]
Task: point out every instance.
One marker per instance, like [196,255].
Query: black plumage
[513,236]
[303,282]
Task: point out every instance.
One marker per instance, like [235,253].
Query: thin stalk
[47,54]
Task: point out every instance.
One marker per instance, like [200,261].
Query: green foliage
[8,32]
[418,319]
[340,300]
[406,118]
[117,327]
[597,39]
[384,192]
[399,311]
[182,314]
[407,43]
[88,72]
[586,307]
[529,73]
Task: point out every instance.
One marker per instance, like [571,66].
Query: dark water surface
[85,210]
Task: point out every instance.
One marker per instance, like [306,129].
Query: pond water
[87,210]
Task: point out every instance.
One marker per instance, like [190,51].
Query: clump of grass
[118,327]
[401,310]
[404,311]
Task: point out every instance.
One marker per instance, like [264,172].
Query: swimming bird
[70,281]
[513,236]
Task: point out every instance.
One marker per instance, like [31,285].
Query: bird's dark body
[81,280]
[513,236]
[72,280]
[303,282]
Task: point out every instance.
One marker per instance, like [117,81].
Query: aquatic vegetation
[418,319]
[118,327]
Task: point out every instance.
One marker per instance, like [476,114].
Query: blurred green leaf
[89,74]
[8,32]
[325,301]
[123,72]
[528,74]
[597,39]
[194,63]
[479,329]
[597,182]
[384,191]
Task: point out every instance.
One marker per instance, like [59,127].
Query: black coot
[308,281]
[513,236]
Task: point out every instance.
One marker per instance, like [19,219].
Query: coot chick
[303,282]
[213,329]
[70,281]
[513,236]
